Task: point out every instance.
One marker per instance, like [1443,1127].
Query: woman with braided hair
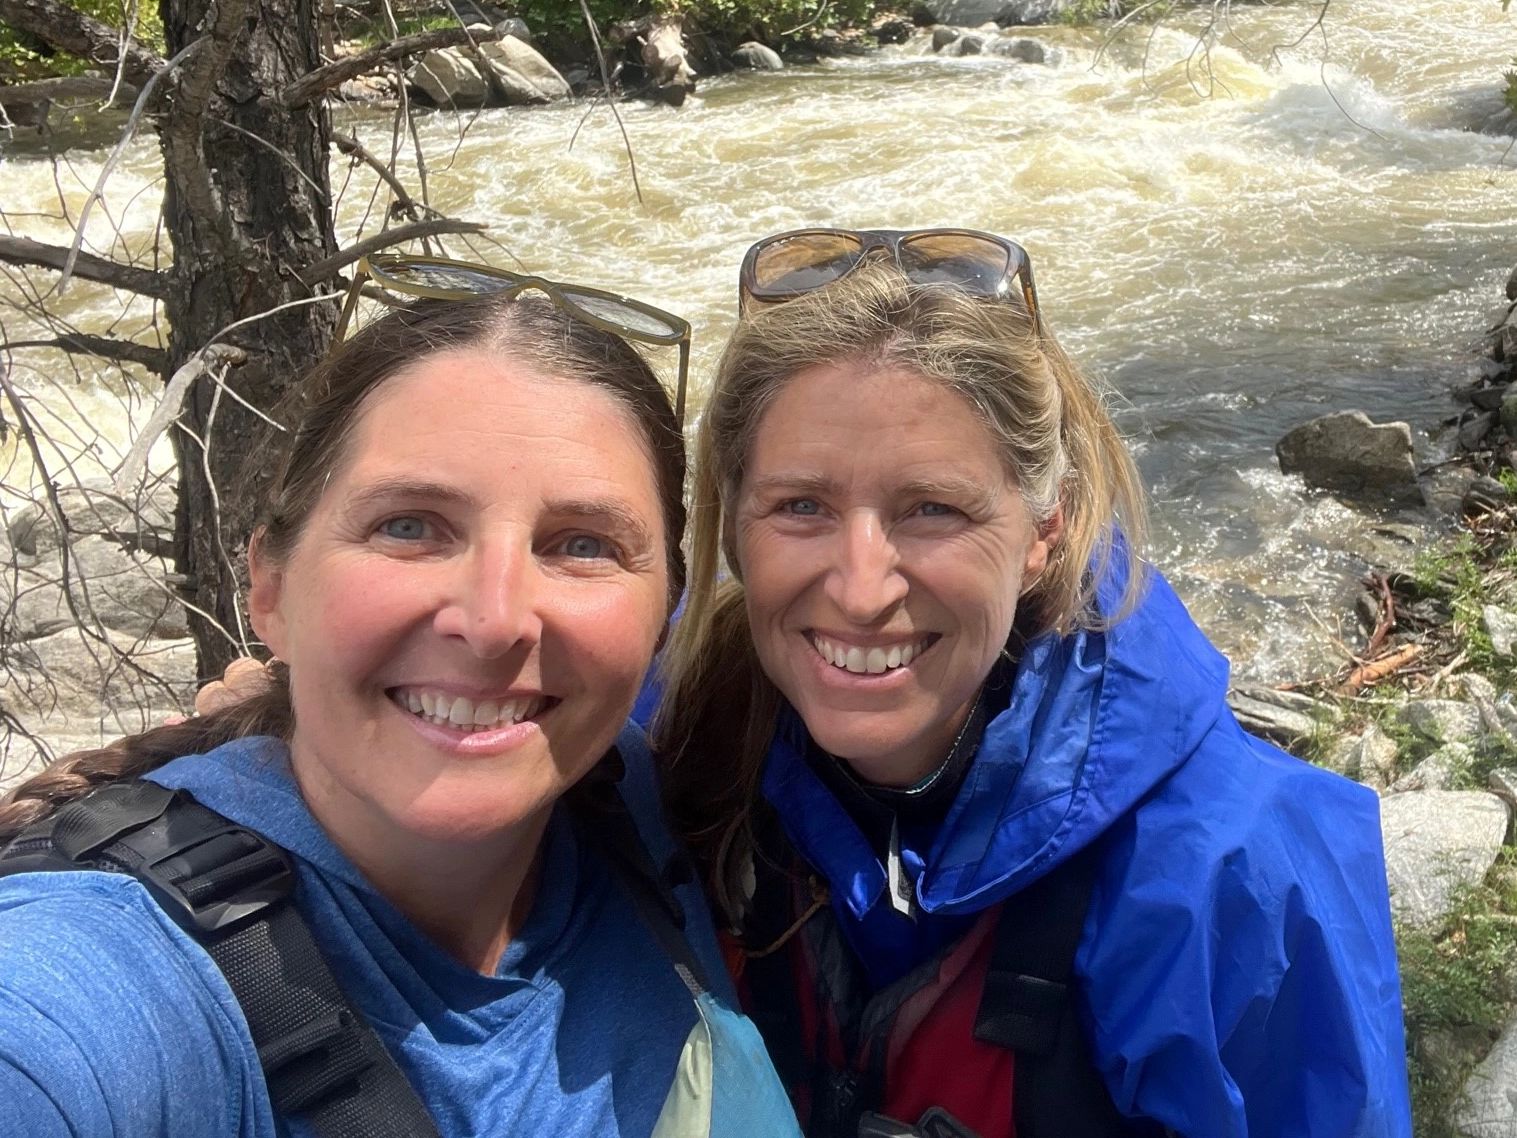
[471,552]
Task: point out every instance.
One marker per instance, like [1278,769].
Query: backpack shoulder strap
[1028,1006]
[230,889]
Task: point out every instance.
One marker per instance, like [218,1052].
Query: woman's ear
[1050,533]
[266,595]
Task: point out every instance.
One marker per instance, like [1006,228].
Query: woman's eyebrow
[801,482]
[411,489]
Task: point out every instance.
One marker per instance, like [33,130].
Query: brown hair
[1057,441]
[531,331]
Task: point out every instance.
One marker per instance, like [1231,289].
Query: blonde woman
[956,765]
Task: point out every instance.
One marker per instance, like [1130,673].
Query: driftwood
[1373,671]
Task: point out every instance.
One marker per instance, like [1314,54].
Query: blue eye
[587,546]
[803,507]
[935,510]
[404,528]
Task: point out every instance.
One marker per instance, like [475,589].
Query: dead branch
[65,87]
[135,462]
[323,270]
[110,347]
[404,203]
[605,81]
[323,79]
[25,251]
[63,27]
[1377,670]
[1387,619]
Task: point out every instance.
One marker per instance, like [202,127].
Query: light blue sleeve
[1241,969]
[113,1022]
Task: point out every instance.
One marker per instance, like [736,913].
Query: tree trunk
[247,207]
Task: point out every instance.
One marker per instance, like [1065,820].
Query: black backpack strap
[230,888]
[1028,1006]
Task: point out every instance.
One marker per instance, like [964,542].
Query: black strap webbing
[1028,1006]
[229,888]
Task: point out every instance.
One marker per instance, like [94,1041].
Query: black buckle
[219,879]
[934,1123]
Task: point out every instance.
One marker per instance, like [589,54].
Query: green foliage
[1510,94]
[23,58]
[1458,986]
[559,25]
[1462,575]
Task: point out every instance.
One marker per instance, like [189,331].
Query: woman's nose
[495,598]
[865,580]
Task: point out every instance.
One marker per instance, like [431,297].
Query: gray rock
[1438,842]
[894,30]
[965,13]
[106,583]
[523,76]
[449,79]
[1369,757]
[1346,453]
[1488,1106]
[1489,398]
[1032,12]
[943,35]
[1509,411]
[1511,286]
[1484,495]
[1287,718]
[1018,47]
[757,57]
[1439,771]
[970,43]
[1501,626]
[1502,782]
[1442,720]
[144,520]
[1472,431]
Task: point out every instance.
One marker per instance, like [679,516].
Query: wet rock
[1439,771]
[1488,1105]
[1442,720]
[449,79]
[1501,627]
[894,30]
[1346,453]
[1026,50]
[971,43]
[943,35]
[1437,843]
[1472,431]
[756,57]
[521,75]
[1511,286]
[1484,495]
[665,58]
[1286,718]
[1369,757]
[1489,398]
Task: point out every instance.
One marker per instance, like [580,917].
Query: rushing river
[1237,240]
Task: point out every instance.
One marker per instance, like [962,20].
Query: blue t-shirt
[114,1022]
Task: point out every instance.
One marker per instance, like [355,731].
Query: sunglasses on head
[439,278]
[782,267]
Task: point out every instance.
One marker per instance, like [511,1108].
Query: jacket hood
[1097,719]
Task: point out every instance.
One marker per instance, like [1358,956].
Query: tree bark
[244,218]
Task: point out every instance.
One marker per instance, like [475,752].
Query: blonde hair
[1055,437]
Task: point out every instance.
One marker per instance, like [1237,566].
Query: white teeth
[871,661]
[461,712]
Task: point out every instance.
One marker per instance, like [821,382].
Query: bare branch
[169,403]
[605,82]
[25,251]
[323,79]
[111,348]
[110,163]
[65,28]
[382,240]
[65,87]
[349,145]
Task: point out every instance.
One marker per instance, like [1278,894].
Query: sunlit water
[1237,240]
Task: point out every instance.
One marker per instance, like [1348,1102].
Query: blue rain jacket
[1237,966]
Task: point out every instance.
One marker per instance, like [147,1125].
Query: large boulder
[1283,717]
[1438,843]
[973,13]
[1347,454]
[448,78]
[755,56]
[1488,1107]
[521,74]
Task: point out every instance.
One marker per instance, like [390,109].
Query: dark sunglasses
[784,266]
[439,278]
